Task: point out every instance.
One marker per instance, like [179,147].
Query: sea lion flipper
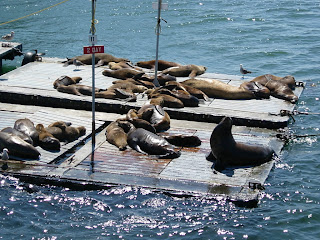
[210,157]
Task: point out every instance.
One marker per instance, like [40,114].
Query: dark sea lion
[279,87]
[27,127]
[228,152]
[165,100]
[162,64]
[216,89]
[185,71]
[18,147]
[23,136]
[162,78]
[184,140]
[77,89]
[116,136]
[102,58]
[155,114]
[65,81]
[141,123]
[46,140]
[123,73]
[149,143]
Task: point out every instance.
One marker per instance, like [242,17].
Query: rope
[14,20]
[93,20]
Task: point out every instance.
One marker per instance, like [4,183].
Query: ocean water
[272,36]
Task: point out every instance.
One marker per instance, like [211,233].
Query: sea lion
[155,114]
[117,93]
[18,147]
[162,64]
[185,71]
[67,133]
[122,64]
[161,78]
[65,81]
[146,84]
[46,140]
[77,89]
[257,89]
[123,73]
[100,58]
[227,152]
[129,86]
[149,143]
[191,90]
[27,127]
[115,135]
[184,140]
[23,136]
[216,89]
[279,87]
[165,100]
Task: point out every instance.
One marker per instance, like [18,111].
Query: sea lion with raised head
[18,147]
[190,71]
[227,152]
[27,127]
[46,140]
[162,64]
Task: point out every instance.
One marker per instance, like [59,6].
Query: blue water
[272,36]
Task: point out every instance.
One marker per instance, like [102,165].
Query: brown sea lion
[162,64]
[279,87]
[227,152]
[146,84]
[46,140]
[216,89]
[123,73]
[165,100]
[162,78]
[65,81]
[129,86]
[17,147]
[117,93]
[257,89]
[115,135]
[155,114]
[185,71]
[27,127]
[67,133]
[122,64]
[77,89]
[15,132]
[102,58]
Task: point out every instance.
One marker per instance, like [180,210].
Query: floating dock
[189,175]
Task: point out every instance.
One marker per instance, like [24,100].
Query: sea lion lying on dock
[116,136]
[64,132]
[65,81]
[46,140]
[121,65]
[174,85]
[149,143]
[225,151]
[77,89]
[15,132]
[100,59]
[190,71]
[27,127]
[123,73]
[162,64]
[279,87]
[183,140]
[214,88]
[18,147]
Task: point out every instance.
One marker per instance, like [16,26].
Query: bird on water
[244,71]
[8,37]
[5,157]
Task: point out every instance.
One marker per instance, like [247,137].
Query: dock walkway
[190,174]
[7,51]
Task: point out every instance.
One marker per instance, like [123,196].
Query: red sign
[93,49]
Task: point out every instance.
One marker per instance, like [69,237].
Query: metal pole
[156,82]
[93,87]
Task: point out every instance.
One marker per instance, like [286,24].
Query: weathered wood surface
[7,50]
[33,84]
[190,174]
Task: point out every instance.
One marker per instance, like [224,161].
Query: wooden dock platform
[8,51]
[189,175]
